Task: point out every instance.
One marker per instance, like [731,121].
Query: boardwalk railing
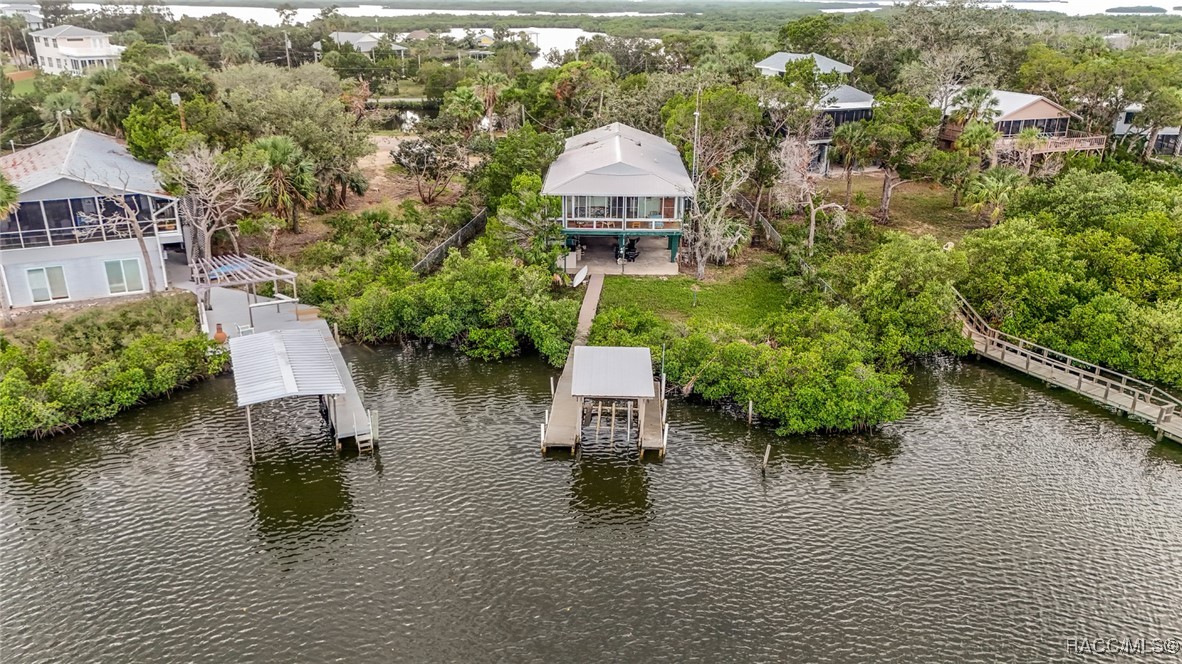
[776,241]
[1105,385]
[773,237]
[434,258]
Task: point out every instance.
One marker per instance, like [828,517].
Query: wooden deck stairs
[1133,397]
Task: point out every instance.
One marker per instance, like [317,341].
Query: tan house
[1016,111]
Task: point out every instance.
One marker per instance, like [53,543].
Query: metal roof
[618,160]
[83,155]
[612,372]
[362,41]
[283,363]
[1008,102]
[847,96]
[68,31]
[776,62]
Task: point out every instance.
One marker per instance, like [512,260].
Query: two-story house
[1015,111]
[1168,141]
[73,236]
[68,49]
[362,42]
[838,105]
[618,184]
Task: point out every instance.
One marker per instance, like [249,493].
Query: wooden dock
[1135,398]
[563,425]
[564,421]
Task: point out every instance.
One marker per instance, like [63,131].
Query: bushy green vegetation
[808,360]
[487,307]
[61,371]
[1090,265]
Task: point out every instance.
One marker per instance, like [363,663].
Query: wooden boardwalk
[564,421]
[1126,394]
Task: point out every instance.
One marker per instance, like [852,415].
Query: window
[1129,115]
[123,276]
[47,283]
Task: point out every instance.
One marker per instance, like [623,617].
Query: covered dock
[608,381]
[254,324]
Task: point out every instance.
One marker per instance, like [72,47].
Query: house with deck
[1015,111]
[1168,141]
[73,234]
[68,49]
[619,185]
[838,105]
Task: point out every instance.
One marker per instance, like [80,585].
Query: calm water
[996,521]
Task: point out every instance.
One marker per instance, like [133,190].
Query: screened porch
[90,219]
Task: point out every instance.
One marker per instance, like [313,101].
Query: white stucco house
[71,238]
[68,49]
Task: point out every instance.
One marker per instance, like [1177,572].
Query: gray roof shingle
[67,31]
[83,155]
[776,61]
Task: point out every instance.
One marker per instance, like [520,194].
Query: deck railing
[1074,141]
[434,258]
[1079,371]
[601,224]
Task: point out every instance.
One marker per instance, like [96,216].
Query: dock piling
[766,453]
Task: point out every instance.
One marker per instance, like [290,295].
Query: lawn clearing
[919,208]
[742,295]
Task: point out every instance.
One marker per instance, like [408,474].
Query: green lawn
[742,295]
[22,87]
[921,208]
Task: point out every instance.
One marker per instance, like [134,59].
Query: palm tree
[1026,143]
[974,103]
[289,183]
[488,87]
[61,112]
[464,108]
[979,139]
[991,192]
[852,143]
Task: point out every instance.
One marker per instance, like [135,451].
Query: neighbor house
[362,42]
[838,105]
[622,183]
[67,49]
[1168,141]
[417,35]
[774,65]
[30,13]
[72,236]
[1015,111]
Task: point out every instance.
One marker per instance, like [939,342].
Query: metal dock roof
[612,372]
[283,363]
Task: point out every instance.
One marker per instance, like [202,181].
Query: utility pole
[697,131]
[287,48]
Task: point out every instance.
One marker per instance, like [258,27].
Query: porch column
[674,243]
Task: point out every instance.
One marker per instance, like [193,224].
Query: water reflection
[609,488]
[300,497]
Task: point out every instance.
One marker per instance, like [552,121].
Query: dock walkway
[1126,394]
[564,422]
[231,308]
